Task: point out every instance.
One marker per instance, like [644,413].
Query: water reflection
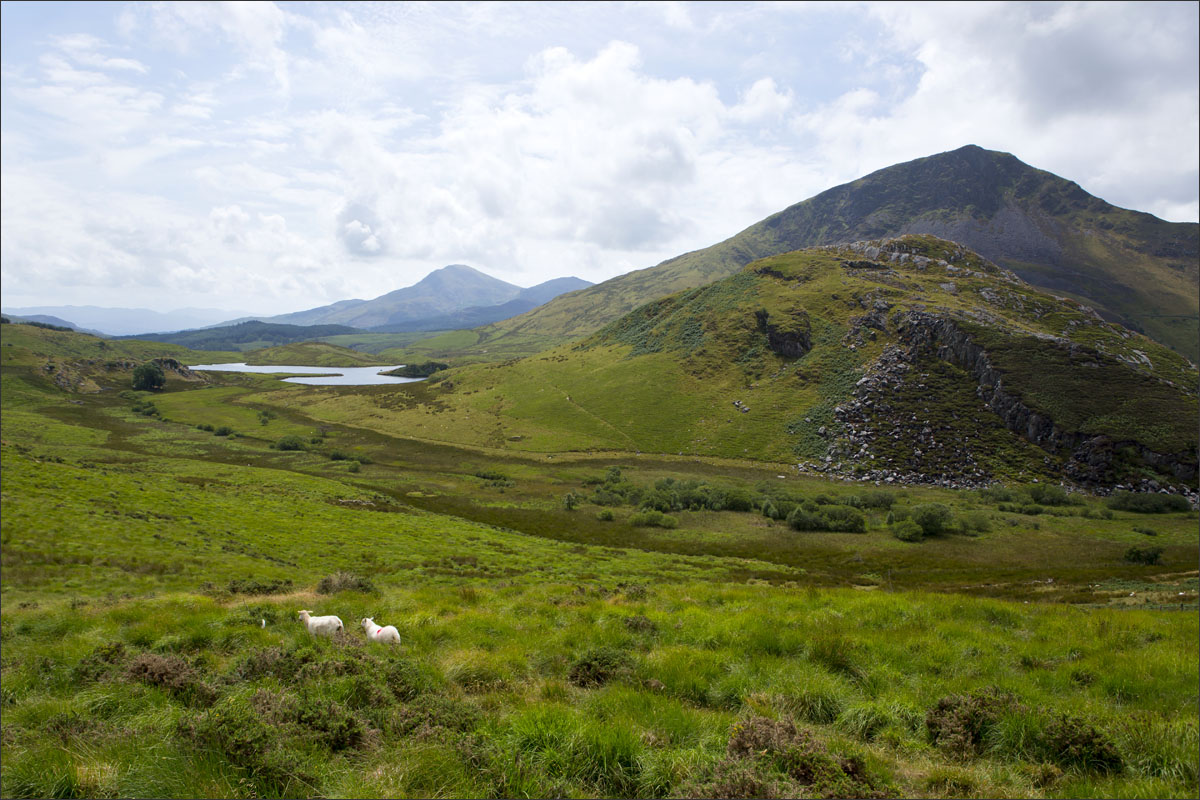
[328,376]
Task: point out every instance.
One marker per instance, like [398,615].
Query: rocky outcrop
[792,339]
[1089,456]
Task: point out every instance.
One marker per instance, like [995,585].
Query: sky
[271,157]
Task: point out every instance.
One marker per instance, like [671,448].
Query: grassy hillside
[313,354]
[157,546]
[247,335]
[708,372]
[1131,266]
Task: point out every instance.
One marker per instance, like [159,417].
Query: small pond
[328,376]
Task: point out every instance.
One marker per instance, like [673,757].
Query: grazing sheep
[388,633]
[321,626]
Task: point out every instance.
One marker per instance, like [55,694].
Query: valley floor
[157,547]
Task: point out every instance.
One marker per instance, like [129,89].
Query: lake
[329,376]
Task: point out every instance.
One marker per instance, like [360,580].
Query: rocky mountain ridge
[1130,266]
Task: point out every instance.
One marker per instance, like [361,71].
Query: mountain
[1130,266]
[250,335]
[526,300]
[47,319]
[129,321]
[442,291]
[901,360]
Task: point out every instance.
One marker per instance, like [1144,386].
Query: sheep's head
[304,614]
[366,622]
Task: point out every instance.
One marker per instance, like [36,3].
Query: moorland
[585,609]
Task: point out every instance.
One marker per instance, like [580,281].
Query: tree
[934,518]
[149,377]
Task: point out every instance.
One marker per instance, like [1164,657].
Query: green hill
[252,335]
[74,361]
[1132,267]
[891,360]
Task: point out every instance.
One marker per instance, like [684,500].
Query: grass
[696,374]
[152,572]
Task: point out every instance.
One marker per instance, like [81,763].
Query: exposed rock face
[790,340]
[1091,455]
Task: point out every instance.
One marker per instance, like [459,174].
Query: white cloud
[301,154]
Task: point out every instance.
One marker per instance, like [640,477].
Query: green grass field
[152,569]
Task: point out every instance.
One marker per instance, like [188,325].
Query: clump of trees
[1148,503]
[148,377]
[418,370]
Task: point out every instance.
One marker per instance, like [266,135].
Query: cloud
[302,154]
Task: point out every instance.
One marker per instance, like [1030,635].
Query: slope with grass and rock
[898,360]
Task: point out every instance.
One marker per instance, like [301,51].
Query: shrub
[1148,503]
[934,518]
[604,515]
[1147,556]
[653,519]
[148,377]
[1048,495]
[1071,742]
[291,443]
[173,674]
[1145,531]
[252,586]
[844,519]
[224,430]
[908,531]
[598,666]
[975,521]
[958,724]
[829,518]
[344,582]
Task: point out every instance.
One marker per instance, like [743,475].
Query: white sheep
[388,633]
[321,626]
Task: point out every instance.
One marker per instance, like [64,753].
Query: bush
[1147,556]
[959,724]
[224,430]
[598,666]
[253,586]
[1048,495]
[934,518]
[1071,742]
[844,520]
[344,582]
[148,377]
[653,519]
[908,531]
[604,515]
[291,443]
[1148,503]
[975,522]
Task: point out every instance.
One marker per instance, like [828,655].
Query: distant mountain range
[1131,267]
[125,321]
[474,316]
[453,296]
